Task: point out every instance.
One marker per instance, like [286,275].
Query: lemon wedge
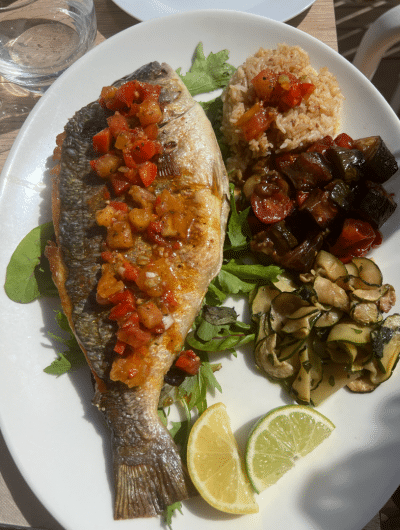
[215,466]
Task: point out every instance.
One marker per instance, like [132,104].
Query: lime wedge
[280,438]
[215,466]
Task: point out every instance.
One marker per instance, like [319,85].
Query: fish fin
[145,490]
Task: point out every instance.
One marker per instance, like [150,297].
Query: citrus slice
[214,463]
[280,438]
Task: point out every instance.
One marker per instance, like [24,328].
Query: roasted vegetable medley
[329,196]
[325,329]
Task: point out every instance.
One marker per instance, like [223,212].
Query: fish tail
[145,490]
[148,471]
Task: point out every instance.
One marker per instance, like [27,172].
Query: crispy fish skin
[148,471]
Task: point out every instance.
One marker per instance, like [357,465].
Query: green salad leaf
[72,357]
[238,231]
[218,329]
[207,73]
[170,512]
[28,274]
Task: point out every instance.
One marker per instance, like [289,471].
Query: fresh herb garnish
[207,73]
[28,275]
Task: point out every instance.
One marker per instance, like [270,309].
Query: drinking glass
[39,39]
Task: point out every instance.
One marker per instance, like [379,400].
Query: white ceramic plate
[276,10]
[58,439]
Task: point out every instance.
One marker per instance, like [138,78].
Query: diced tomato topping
[102,141]
[125,296]
[120,310]
[282,90]
[117,123]
[273,208]
[151,131]
[120,184]
[131,322]
[128,92]
[147,173]
[107,95]
[119,205]
[189,362]
[150,315]
[120,347]
[106,165]
[345,141]
[150,91]
[153,232]
[144,149]
[107,256]
[134,336]
[306,89]
[255,121]
[169,299]
[130,272]
[129,160]
[131,368]
[149,112]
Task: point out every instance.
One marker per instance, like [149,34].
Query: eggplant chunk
[377,205]
[308,171]
[341,194]
[347,164]
[319,205]
[380,162]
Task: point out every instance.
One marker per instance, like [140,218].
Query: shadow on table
[31,508]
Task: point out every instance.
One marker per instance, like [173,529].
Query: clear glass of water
[39,39]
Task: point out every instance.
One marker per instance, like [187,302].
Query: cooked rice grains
[311,120]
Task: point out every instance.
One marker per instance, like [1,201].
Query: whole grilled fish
[148,471]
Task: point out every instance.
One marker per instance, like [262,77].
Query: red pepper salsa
[137,284]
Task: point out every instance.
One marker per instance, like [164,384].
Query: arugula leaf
[195,388]
[221,338]
[256,272]
[28,275]
[72,357]
[213,110]
[238,230]
[170,512]
[207,73]
[232,284]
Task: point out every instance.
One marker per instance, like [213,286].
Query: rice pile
[311,120]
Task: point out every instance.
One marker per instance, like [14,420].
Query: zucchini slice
[283,306]
[335,377]
[386,348]
[349,331]
[300,323]
[330,293]
[361,385]
[285,283]
[267,360]
[365,313]
[261,300]
[328,265]
[328,318]
[368,271]
[309,375]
